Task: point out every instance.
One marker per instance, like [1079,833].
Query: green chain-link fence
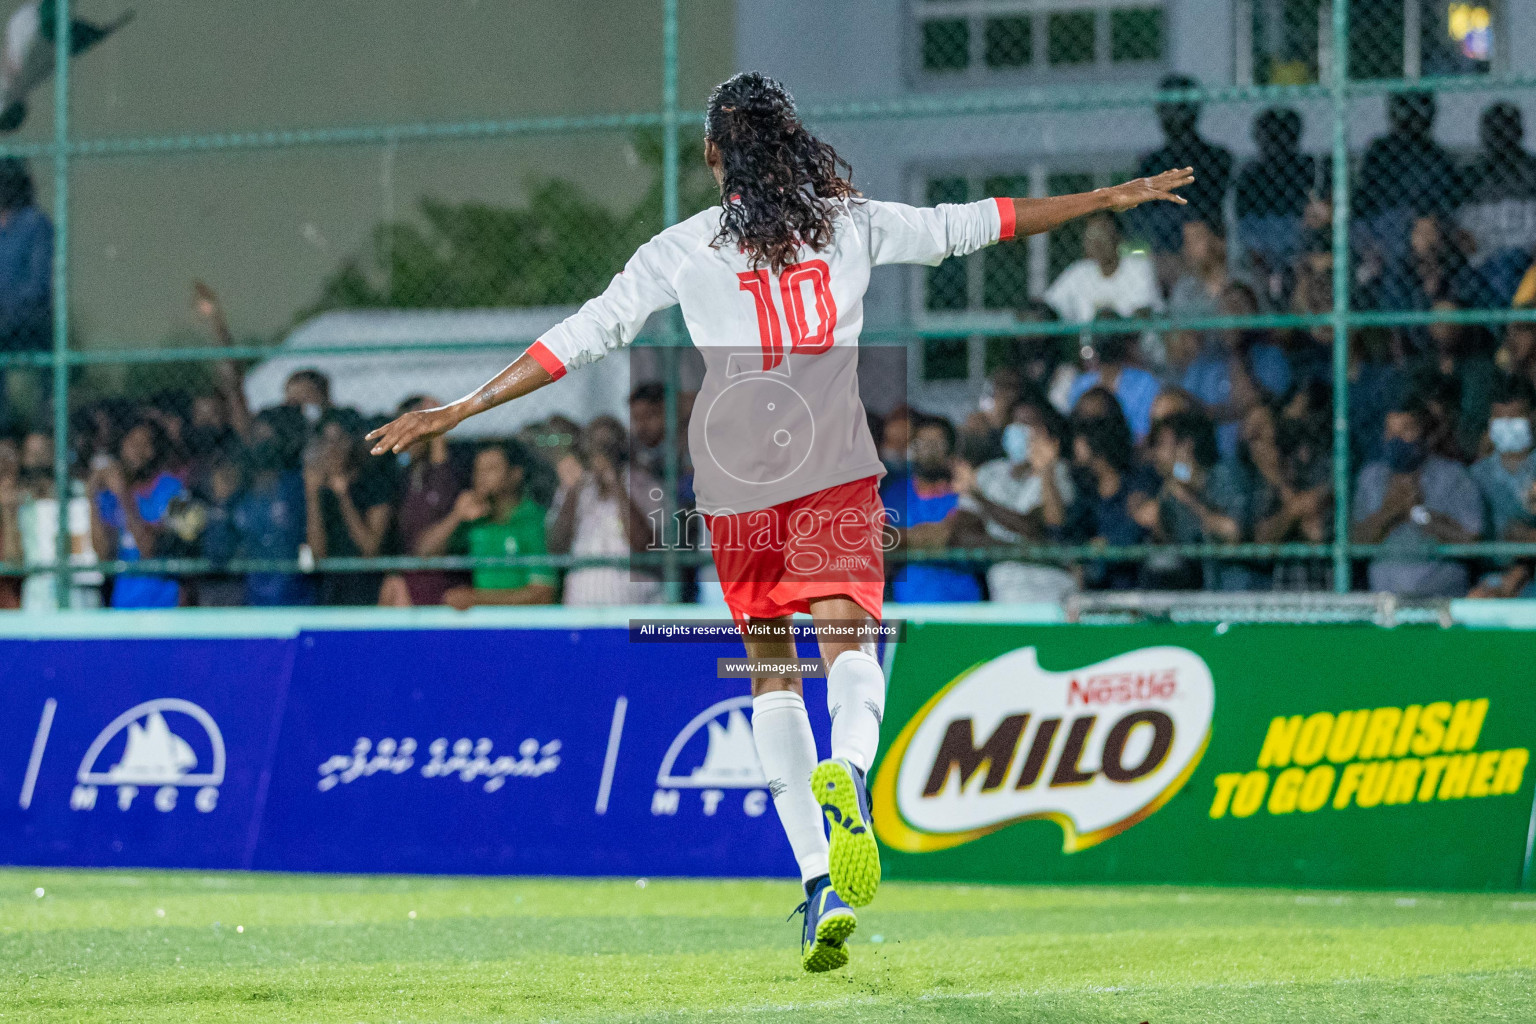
[1311,286]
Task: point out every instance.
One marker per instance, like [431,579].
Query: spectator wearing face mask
[309,391]
[1021,498]
[1507,479]
[1113,492]
[921,508]
[1201,500]
[1134,388]
[1411,498]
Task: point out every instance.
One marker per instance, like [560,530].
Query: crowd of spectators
[184,477]
[1114,439]
[1123,439]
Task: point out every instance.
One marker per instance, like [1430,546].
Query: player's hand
[1145,190]
[399,434]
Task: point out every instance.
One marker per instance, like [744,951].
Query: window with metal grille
[1287,42]
[962,39]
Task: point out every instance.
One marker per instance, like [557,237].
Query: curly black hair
[777,176]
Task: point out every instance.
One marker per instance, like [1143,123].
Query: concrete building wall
[266,227]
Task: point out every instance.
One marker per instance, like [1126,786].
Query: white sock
[856,701]
[782,732]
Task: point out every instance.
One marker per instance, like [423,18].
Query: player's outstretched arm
[525,375]
[1034,216]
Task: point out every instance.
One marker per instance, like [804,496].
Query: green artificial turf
[176,948]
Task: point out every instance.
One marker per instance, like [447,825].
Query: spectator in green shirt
[494,518]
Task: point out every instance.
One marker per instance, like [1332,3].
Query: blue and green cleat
[828,923]
[853,857]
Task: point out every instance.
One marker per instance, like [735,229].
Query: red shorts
[775,561]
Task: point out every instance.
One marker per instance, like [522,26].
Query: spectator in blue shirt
[26,263]
[1507,480]
[1236,369]
[1133,388]
[130,497]
[1410,499]
[26,269]
[269,517]
[1201,500]
[921,506]
[1112,490]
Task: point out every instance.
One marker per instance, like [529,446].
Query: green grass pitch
[177,948]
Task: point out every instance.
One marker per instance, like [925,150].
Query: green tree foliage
[560,247]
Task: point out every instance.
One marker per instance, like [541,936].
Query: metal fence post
[671,579]
[1338,81]
[61,482]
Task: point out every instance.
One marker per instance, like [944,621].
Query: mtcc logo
[725,759]
[140,748]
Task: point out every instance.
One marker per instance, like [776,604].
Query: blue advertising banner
[131,752]
[520,751]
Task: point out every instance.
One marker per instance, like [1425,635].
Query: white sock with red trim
[856,701]
[781,731]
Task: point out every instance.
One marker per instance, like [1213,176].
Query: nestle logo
[1123,687]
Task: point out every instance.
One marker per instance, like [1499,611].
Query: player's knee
[773,684]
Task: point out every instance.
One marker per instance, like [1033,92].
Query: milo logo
[1095,749]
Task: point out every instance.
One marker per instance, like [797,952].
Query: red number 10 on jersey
[792,284]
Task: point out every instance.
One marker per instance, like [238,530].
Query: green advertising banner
[1255,754]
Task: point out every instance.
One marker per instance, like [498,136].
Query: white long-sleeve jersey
[779,414]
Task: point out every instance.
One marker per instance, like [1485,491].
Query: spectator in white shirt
[1105,278]
[1107,281]
[1021,498]
[604,506]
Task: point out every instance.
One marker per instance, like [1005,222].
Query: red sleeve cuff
[547,359]
[1006,214]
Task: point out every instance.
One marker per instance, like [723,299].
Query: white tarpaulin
[376,382]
